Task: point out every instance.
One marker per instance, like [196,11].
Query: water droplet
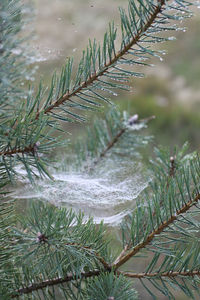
[171,38]
[59,19]
[16,51]
[74,50]
[30,79]
[49,51]
[161,59]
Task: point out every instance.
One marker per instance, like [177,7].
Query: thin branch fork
[70,277]
[42,238]
[100,258]
[118,135]
[108,65]
[115,140]
[152,235]
[108,147]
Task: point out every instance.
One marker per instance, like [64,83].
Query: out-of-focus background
[170,91]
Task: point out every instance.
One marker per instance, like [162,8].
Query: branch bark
[52,282]
[160,275]
[115,139]
[28,149]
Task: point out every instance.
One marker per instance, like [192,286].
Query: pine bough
[53,252]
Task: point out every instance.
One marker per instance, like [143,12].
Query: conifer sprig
[14,57]
[7,220]
[158,274]
[171,235]
[101,69]
[116,129]
[169,231]
[55,252]
[157,231]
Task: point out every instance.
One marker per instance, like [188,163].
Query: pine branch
[156,232]
[29,149]
[107,268]
[110,145]
[59,245]
[120,284]
[114,130]
[108,286]
[165,167]
[7,219]
[134,32]
[133,120]
[53,282]
[97,72]
[159,275]
[110,64]
[44,239]
[84,275]
[14,57]
[55,246]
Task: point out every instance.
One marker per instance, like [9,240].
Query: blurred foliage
[174,122]
[187,64]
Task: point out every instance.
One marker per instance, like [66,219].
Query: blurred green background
[170,90]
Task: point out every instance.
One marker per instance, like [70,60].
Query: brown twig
[159,274]
[52,282]
[123,253]
[108,147]
[115,140]
[152,235]
[28,149]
